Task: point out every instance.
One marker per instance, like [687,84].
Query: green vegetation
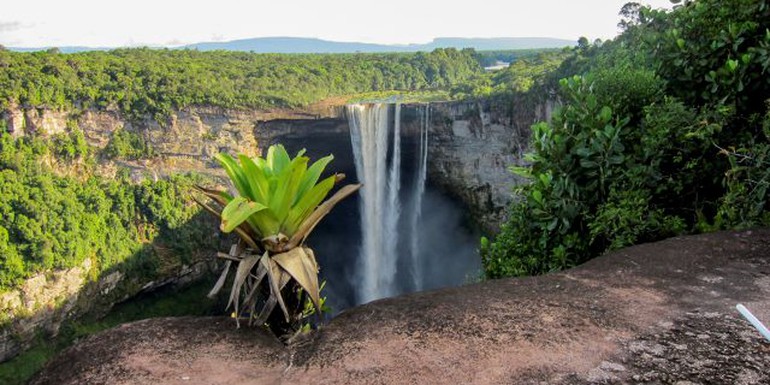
[490,58]
[149,82]
[127,145]
[50,221]
[278,205]
[163,303]
[521,76]
[664,130]
[409,97]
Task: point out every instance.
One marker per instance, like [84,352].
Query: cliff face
[187,141]
[471,146]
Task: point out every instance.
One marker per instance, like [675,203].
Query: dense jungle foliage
[55,220]
[491,58]
[52,220]
[152,82]
[527,70]
[664,130]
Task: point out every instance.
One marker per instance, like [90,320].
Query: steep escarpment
[471,146]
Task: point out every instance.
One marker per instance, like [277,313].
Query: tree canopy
[664,130]
[153,82]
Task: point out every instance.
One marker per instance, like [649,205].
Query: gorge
[470,145]
[401,251]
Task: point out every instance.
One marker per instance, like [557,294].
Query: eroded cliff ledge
[660,313]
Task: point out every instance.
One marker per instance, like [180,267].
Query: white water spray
[419,191]
[392,240]
[379,198]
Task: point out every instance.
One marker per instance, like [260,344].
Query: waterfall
[394,205]
[379,198]
[391,239]
[419,190]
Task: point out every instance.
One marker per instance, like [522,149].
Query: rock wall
[186,141]
[44,302]
[472,145]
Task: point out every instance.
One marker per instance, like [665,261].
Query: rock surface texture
[472,145]
[660,313]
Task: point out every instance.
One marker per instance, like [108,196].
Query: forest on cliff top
[663,131]
[154,82]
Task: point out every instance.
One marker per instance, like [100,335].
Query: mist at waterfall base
[377,243]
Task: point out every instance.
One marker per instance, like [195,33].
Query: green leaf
[258,184]
[277,158]
[287,183]
[265,223]
[312,176]
[537,196]
[307,204]
[615,159]
[605,114]
[236,174]
[238,211]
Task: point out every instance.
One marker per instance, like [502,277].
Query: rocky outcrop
[472,147]
[187,140]
[660,313]
[44,302]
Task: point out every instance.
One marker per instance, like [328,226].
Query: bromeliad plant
[278,205]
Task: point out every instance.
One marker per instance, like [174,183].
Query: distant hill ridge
[313,45]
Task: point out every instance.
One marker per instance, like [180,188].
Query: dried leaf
[302,267]
[275,276]
[244,268]
[221,281]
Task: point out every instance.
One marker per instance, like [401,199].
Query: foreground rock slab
[661,313]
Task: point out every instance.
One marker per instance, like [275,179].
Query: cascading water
[379,198]
[378,165]
[419,191]
[400,233]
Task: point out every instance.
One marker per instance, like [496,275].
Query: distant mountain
[313,45]
[497,43]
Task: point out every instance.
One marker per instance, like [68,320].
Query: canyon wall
[471,146]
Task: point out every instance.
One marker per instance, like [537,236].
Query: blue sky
[37,23]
